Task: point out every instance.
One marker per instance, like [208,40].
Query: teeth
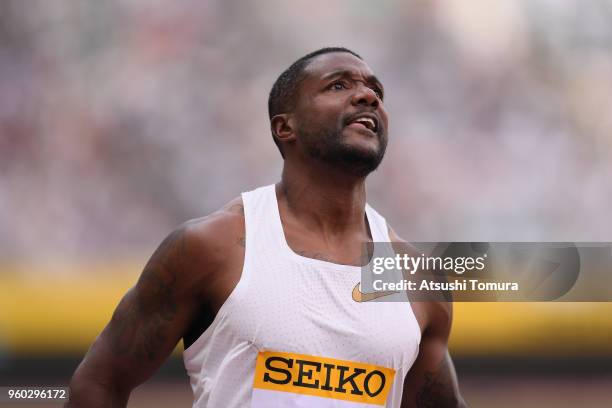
[367,122]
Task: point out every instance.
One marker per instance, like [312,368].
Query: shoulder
[201,248]
[216,230]
[434,317]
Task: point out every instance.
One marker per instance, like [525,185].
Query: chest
[311,311]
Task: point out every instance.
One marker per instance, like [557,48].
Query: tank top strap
[262,223]
[378,225]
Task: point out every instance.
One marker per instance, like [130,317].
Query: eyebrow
[348,73]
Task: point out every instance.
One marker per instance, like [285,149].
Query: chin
[358,160]
[352,153]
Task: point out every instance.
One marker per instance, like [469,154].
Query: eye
[338,86]
[378,92]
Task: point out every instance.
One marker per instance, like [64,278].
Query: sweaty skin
[321,199]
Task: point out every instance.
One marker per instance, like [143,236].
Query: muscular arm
[432,381]
[153,315]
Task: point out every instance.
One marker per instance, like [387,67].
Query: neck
[323,198]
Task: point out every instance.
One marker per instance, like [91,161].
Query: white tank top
[291,335]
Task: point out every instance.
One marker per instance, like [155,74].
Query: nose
[365,96]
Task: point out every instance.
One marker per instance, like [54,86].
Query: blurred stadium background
[120,120]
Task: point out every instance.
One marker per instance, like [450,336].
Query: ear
[282,128]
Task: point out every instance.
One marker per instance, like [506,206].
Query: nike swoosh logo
[359,296]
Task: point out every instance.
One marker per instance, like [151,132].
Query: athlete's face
[339,113]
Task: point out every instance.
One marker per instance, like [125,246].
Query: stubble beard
[328,146]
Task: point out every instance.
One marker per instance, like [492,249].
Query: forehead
[326,64]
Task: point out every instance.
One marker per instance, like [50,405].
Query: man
[263,291]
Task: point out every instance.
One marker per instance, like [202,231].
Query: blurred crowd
[120,120]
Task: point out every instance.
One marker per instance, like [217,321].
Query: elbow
[91,392]
[454,401]
[461,402]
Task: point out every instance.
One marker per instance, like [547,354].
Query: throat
[334,208]
[325,238]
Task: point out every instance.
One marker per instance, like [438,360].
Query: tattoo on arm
[139,330]
[438,390]
[238,209]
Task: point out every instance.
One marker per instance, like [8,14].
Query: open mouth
[368,121]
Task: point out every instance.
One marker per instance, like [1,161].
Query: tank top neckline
[278,230]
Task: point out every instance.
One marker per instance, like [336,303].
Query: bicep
[432,381]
